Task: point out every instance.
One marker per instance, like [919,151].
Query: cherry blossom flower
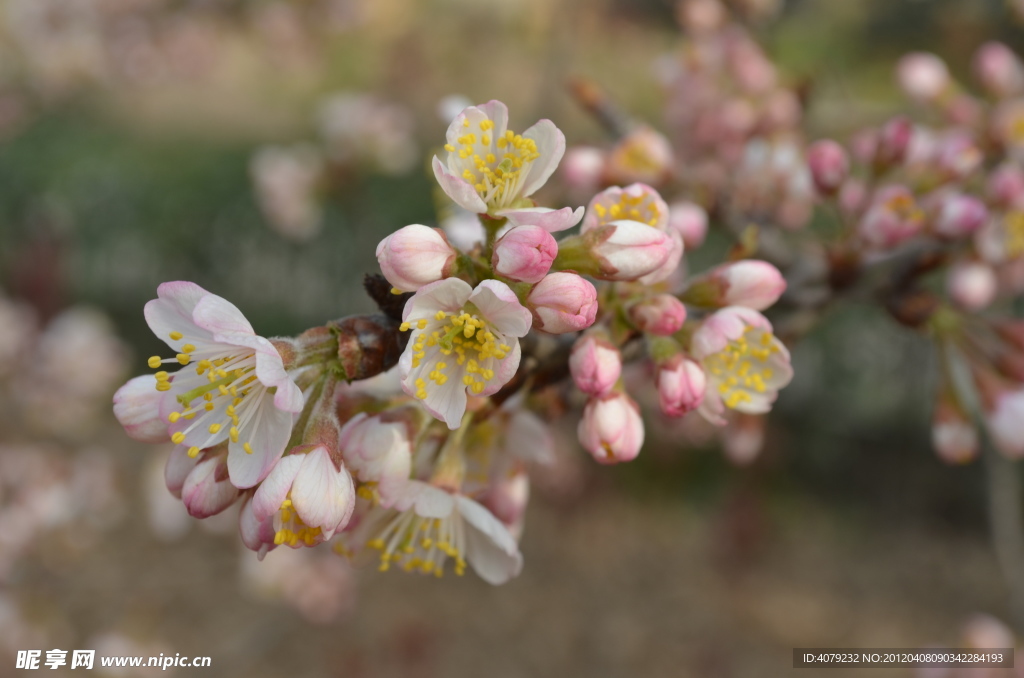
[420,526]
[492,170]
[232,384]
[309,494]
[744,362]
[464,341]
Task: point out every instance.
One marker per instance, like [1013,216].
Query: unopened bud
[690,221]
[622,250]
[953,435]
[681,385]
[562,302]
[999,70]
[829,165]
[922,76]
[750,283]
[1006,185]
[137,408]
[524,254]
[415,256]
[595,365]
[893,142]
[972,285]
[207,489]
[611,428]
[662,315]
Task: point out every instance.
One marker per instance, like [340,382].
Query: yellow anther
[248,448]
[178,438]
[188,348]
[163,386]
[184,358]
[175,336]
[449,148]
[193,452]
[154,362]
[214,428]
[233,432]
[404,327]
[421,323]
[173,417]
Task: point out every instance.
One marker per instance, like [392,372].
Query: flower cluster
[428,461]
[949,198]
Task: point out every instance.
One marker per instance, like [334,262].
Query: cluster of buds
[430,467]
[947,197]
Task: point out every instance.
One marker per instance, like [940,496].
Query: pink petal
[506,369]
[458,189]
[137,408]
[275,487]
[551,146]
[219,316]
[492,551]
[322,494]
[549,219]
[448,295]
[267,438]
[500,307]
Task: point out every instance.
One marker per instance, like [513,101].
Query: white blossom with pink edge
[232,384]
[492,170]
[745,364]
[464,340]
[443,525]
[309,494]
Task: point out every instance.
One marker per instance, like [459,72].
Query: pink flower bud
[922,76]
[953,435]
[563,302]
[829,165]
[690,221]
[524,254]
[137,408]
[207,490]
[894,141]
[415,256]
[892,218]
[595,365]
[973,285]
[257,535]
[661,314]
[582,168]
[852,196]
[998,69]
[751,283]
[1005,419]
[959,215]
[628,250]
[1006,185]
[681,384]
[611,428]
